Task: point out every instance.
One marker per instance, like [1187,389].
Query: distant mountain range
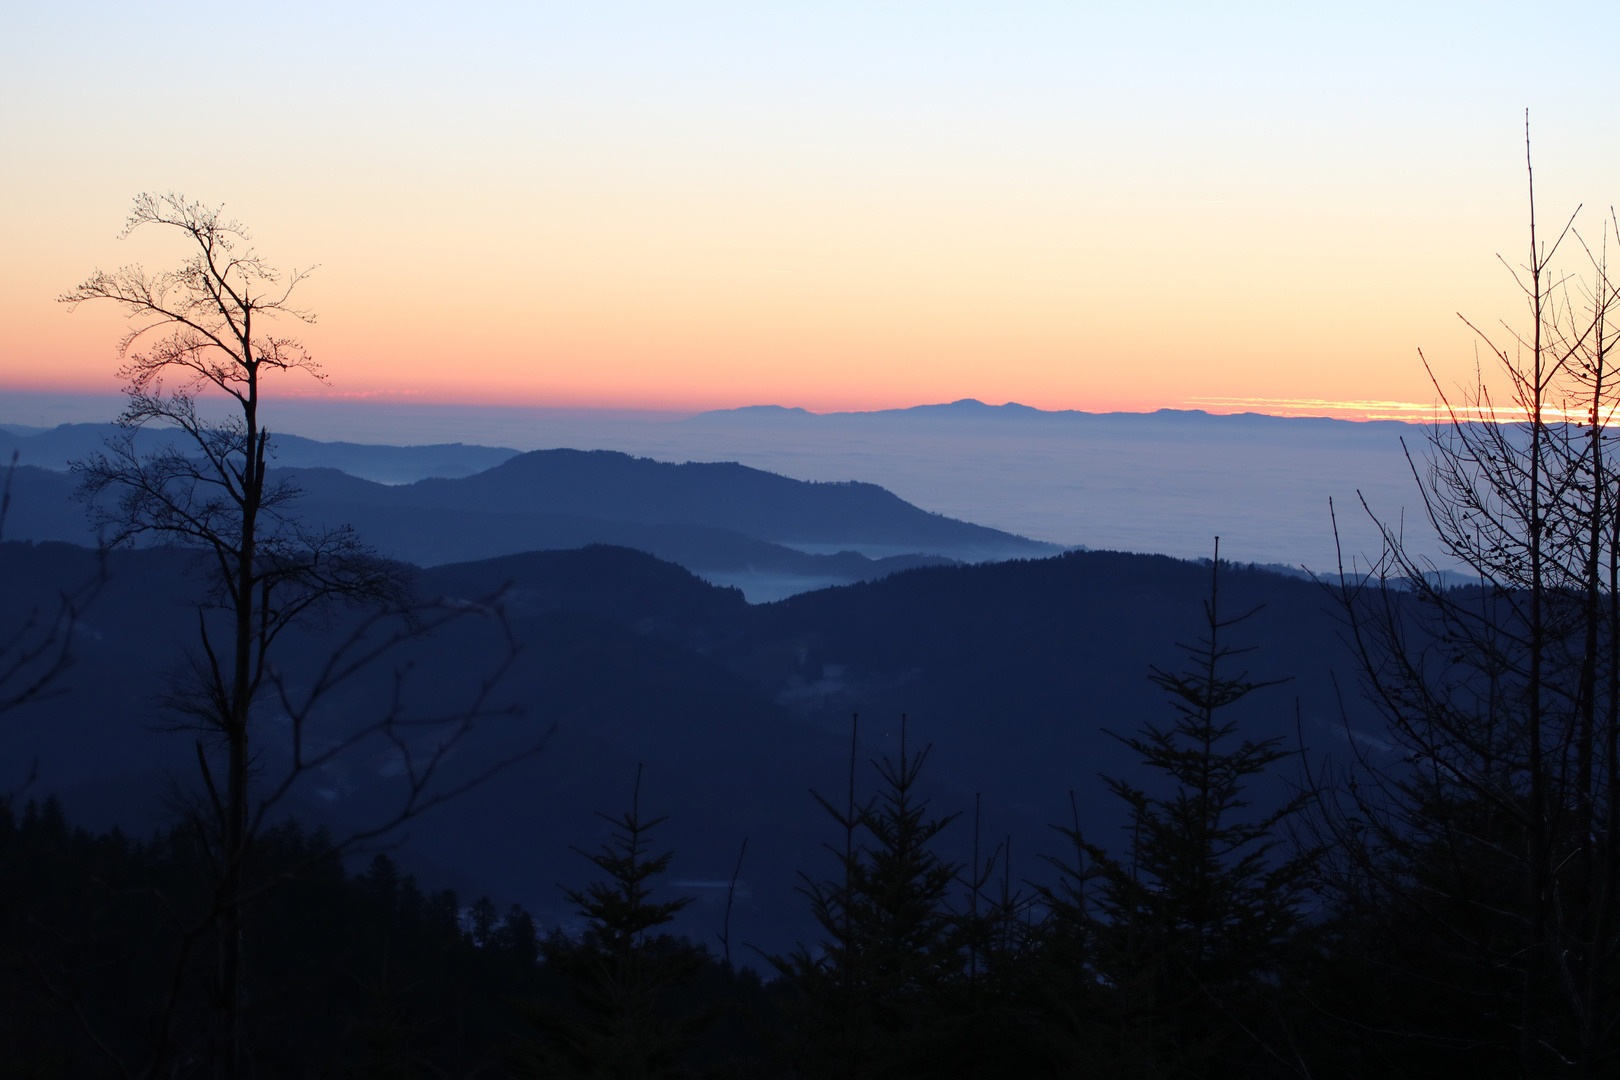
[54,448]
[1166,481]
[974,411]
[769,535]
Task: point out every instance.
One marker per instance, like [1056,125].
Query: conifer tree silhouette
[622,1022]
[912,941]
[893,943]
[1195,916]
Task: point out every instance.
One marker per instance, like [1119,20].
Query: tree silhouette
[893,944]
[1193,917]
[1503,696]
[624,1021]
[205,336]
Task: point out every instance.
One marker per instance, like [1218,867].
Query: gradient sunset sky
[835,206]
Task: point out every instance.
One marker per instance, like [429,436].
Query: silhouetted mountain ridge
[610,486]
[54,448]
[733,524]
[973,412]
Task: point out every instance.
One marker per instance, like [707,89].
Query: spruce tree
[1194,920]
[621,1021]
[869,995]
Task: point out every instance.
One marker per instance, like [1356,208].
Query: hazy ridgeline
[1159,482]
[767,534]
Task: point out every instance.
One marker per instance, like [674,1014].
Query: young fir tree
[870,994]
[622,1022]
[1057,971]
[1194,920]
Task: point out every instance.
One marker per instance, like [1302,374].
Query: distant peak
[772,409]
[753,412]
[968,404]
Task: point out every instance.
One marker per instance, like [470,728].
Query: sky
[834,206]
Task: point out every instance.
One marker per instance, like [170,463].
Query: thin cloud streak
[1407,411]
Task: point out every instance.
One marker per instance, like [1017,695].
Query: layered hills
[1016,672]
[767,534]
[627,584]
[54,448]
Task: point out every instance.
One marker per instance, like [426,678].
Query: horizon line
[1285,408]
[1362,410]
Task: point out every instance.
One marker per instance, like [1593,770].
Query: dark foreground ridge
[982,921]
[1012,670]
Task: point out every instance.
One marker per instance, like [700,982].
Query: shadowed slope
[1013,671]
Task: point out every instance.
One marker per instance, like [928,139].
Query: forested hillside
[715,721]
[1011,670]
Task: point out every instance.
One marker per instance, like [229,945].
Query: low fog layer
[1161,482]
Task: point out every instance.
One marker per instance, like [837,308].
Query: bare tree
[203,339]
[1495,824]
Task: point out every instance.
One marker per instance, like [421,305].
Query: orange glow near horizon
[1413,412]
[1353,410]
[837,207]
